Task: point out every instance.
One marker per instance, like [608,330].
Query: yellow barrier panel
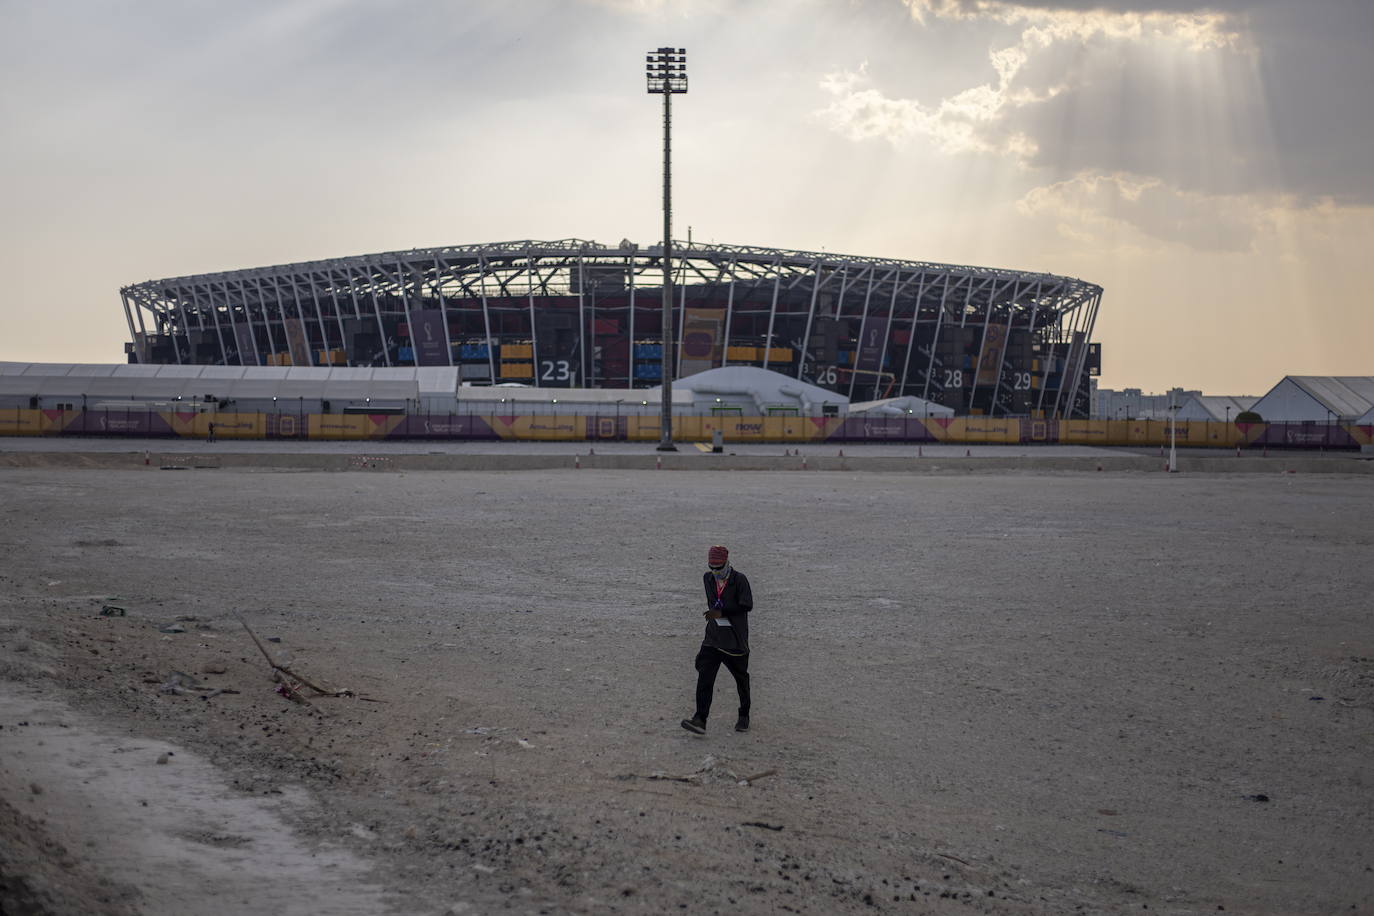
[338,426]
[561,427]
[21,422]
[987,429]
[233,425]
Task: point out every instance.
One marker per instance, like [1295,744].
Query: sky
[1211,165]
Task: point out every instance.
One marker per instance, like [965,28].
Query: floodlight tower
[666,70]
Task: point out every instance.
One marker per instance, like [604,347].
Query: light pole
[1173,435]
[666,72]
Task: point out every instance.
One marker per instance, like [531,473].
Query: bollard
[658,464]
[920,451]
[577,462]
[1237,451]
[147,459]
[1265,454]
[803,462]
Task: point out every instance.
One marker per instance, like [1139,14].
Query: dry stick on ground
[945,855]
[282,669]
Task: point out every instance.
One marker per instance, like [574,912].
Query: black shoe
[696,725]
[742,724]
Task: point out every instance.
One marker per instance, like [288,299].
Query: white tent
[756,392]
[901,407]
[1317,399]
[245,387]
[1214,407]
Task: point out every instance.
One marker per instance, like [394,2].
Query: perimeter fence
[645,428]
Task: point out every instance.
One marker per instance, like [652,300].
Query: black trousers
[708,664]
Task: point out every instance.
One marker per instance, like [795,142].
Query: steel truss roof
[751,261]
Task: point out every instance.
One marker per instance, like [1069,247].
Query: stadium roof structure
[420,259]
[1317,399]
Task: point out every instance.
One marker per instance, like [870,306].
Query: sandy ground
[1010,693]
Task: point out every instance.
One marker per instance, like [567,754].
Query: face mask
[720,572]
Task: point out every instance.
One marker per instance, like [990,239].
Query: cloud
[1214,98]
[1130,213]
[860,112]
[1200,24]
[976,119]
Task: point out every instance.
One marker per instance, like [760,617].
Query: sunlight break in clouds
[1143,214]
[1203,29]
[967,121]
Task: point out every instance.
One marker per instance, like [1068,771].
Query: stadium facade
[573,313]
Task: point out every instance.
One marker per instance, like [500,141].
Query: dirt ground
[1006,693]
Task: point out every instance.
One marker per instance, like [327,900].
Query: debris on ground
[182,684]
[709,771]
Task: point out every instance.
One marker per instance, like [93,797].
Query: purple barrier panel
[443,426]
[128,423]
[1305,435]
[880,429]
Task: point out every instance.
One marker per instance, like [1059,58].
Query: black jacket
[735,603]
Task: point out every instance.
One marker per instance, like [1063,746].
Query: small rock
[111,610]
[215,669]
[274,639]
[162,758]
[35,788]
[171,628]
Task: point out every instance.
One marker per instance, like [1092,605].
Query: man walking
[728,602]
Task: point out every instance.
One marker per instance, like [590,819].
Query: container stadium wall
[981,341]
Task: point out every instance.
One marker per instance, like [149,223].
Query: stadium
[573,313]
